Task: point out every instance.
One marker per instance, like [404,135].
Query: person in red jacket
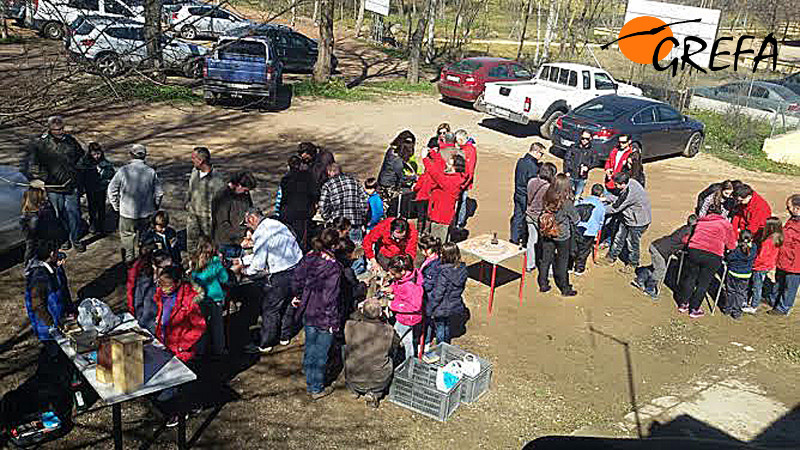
[752,210]
[447,187]
[467,146]
[769,241]
[787,275]
[179,321]
[616,160]
[424,186]
[392,236]
[712,235]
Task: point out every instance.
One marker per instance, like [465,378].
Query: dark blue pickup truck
[242,67]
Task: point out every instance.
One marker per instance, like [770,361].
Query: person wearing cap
[53,158]
[275,256]
[205,186]
[135,193]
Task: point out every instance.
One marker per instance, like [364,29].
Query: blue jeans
[442,325]
[628,237]
[462,210]
[519,230]
[359,265]
[757,290]
[315,358]
[786,288]
[577,186]
[68,209]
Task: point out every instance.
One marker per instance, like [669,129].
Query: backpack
[548,226]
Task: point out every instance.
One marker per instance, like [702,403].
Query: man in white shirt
[275,255]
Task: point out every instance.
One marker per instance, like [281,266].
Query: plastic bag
[448,376]
[470,365]
[94,314]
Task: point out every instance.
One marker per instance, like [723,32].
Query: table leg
[522,278]
[491,288]
[480,271]
[182,432]
[116,414]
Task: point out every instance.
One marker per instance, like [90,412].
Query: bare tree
[431,19]
[415,47]
[322,68]
[524,28]
[152,33]
[360,20]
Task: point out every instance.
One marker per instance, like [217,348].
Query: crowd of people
[732,232]
[337,257]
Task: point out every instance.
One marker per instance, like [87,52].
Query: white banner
[377,6]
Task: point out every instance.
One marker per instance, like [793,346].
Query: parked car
[466,79]
[792,82]
[656,128]
[195,20]
[557,88]
[297,52]
[11,208]
[111,45]
[756,94]
[14,9]
[52,17]
[242,67]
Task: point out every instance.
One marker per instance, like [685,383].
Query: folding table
[165,371]
[495,253]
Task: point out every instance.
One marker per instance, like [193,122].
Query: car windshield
[601,108]
[84,28]
[466,66]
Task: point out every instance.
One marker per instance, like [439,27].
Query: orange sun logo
[639,38]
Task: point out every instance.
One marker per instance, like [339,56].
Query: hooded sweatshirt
[789,253]
[407,302]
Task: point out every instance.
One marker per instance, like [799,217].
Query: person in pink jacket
[407,302]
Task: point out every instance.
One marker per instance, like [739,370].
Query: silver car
[194,20]
[112,46]
[757,94]
[11,190]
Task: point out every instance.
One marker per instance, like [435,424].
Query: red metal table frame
[512,250]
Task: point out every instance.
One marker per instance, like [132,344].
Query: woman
[712,236]
[536,189]
[555,229]
[298,196]
[723,197]
[441,130]
[39,223]
[96,173]
[393,180]
[447,179]
[635,167]
[317,283]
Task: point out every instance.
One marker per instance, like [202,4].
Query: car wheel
[109,65]
[693,145]
[480,104]
[53,30]
[210,98]
[547,127]
[189,32]
[193,68]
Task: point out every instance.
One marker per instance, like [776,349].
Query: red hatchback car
[466,79]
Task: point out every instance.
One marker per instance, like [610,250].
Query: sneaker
[569,293]
[173,421]
[355,395]
[736,315]
[652,293]
[775,312]
[371,401]
[637,284]
[697,313]
[254,349]
[264,350]
[578,273]
[430,357]
[545,289]
[683,308]
[749,310]
[79,247]
[321,394]
[285,341]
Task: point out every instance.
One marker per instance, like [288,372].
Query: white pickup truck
[557,88]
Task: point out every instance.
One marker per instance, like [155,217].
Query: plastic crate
[472,387]
[414,387]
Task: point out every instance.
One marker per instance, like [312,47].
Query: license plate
[239,86]
[502,113]
[567,142]
[453,78]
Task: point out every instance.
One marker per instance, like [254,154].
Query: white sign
[377,6]
[706,29]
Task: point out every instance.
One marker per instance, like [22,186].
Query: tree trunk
[322,69]
[315,17]
[294,14]
[431,47]
[360,21]
[152,33]
[536,59]
[552,23]
[456,21]
[524,28]
[416,47]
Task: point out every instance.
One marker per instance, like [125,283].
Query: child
[769,240]
[787,275]
[431,247]
[353,290]
[375,202]
[446,302]
[342,226]
[649,278]
[179,321]
[140,288]
[209,273]
[39,223]
[593,215]
[164,236]
[95,174]
[740,269]
[407,302]
[316,283]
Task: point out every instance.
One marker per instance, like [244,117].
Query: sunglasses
[623,142]
[586,138]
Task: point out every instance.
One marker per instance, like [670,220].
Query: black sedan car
[297,51]
[656,128]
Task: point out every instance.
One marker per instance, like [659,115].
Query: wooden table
[481,247]
[172,373]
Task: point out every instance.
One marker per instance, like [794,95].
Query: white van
[52,17]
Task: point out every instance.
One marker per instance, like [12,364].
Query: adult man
[135,193]
[275,255]
[578,160]
[367,360]
[467,146]
[527,168]
[47,296]
[634,206]
[343,196]
[616,160]
[393,236]
[751,210]
[205,184]
[228,210]
[53,157]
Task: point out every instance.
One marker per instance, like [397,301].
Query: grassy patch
[401,85]
[738,139]
[147,91]
[12,40]
[334,89]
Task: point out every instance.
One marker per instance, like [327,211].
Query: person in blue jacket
[47,297]
[740,268]
[527,168]
[593,215]
[446,302]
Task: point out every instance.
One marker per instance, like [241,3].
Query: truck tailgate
[507,95]
[237,70]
